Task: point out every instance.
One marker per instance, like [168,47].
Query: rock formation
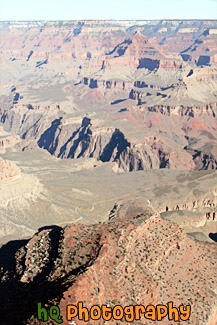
[8,170]
[150,261]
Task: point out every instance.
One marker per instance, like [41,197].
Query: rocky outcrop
[143,84]
[107,145]
[20,119]
[181,110]
[109,84]
[149,261]
[8,141]
[73,141]
[204,160]
[141,96]
[8,170]
[16,186]
[101,143]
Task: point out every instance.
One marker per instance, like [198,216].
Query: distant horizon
[63,20]
[125,10]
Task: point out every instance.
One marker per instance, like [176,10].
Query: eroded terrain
[108,144]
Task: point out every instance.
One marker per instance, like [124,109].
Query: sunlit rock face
[8,170]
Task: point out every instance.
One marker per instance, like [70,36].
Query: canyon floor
[108,166]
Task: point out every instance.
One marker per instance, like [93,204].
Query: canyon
[108,158]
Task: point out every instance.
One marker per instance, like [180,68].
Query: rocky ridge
[150,261]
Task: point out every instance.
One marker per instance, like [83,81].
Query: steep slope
[109,145]
[145,260]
